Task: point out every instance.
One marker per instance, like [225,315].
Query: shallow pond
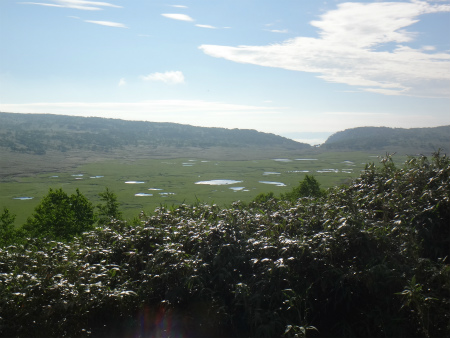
[328,171]
[218,182]
[142,194]
[278,184]
[166,194]
[237,188]
[282,160]
[266,173]
[23,198]
[134,182]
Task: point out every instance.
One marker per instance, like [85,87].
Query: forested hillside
[413,141]
[38,134]
[365,260]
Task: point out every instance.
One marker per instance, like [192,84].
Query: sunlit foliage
[366,260]
[110,208]
[60,216]
[7,232]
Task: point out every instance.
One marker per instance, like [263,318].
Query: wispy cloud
[107,23]
[184,17]
[122,82]
[75,4]
[179,6]
[206,26]
[170,77]
[346,50]
[181,17]
[278,30]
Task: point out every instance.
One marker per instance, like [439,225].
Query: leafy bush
[357,263]
[110,209]
[60,216]
[309,187]
[7,231]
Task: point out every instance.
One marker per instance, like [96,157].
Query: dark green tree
[60,216]
[109,209]
[309,187]
[7,231]
[265,197]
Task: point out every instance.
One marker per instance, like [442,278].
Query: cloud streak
[347,50]
[75,4]
[180,17]
[170,77]
[205,26]
[107,23]
[283,31]
[184,17]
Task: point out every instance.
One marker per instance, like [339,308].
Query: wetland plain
[145,184]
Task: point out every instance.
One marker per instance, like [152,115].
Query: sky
[296,68]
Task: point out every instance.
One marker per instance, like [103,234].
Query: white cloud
[75,4]
[181,17]
[179,6]
[122,82]
[429,48]
[278,31]
[345,51]
[206,26]
[107,23]
[170,77]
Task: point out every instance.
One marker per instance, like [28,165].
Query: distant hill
[40,133]
[407,141]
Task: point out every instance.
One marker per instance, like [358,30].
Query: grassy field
[173,181]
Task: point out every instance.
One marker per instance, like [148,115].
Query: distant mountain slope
[37,134]
[412,141]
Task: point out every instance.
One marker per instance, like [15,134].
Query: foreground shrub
[60,216]
[358,262]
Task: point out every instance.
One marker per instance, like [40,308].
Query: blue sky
[300,69]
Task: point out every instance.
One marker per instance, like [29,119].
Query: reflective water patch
[278,184]
[282,160]
[328,171]
[166,194]
[218,182]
